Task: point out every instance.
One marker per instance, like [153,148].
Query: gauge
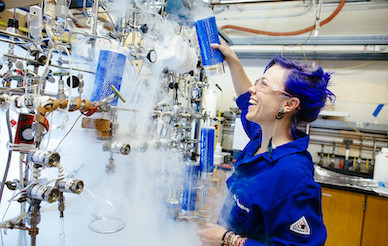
[75,82]
[152,56]
[26,133]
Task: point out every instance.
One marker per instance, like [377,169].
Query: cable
[317,23]
[45,70]
[35,173]
[327,20]
[15,195]
[84,11]
[304,53]
[354,129]
[67,133]
[8,126]
[317,16]
[71,84]
[61,172]
[2,220]
[110,18]
[9,156]
[50,130]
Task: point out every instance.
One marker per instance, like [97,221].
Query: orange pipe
[308,29]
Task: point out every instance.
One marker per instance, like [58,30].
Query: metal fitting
[43,193]
[117,147]
[70,185]
[44,157]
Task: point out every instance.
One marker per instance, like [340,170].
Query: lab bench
[354,216]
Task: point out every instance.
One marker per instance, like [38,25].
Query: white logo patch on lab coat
[301,227]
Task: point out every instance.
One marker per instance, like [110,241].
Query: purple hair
[309,85]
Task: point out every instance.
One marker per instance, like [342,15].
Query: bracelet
[244,239]
[241,241]
[234,240]
[223,237]
[228,235]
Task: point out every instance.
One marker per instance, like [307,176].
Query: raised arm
[241,82]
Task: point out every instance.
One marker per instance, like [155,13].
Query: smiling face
[266,102]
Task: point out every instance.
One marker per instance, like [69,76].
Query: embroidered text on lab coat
[241,205]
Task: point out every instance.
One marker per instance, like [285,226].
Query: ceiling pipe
[303,12]
[310,48]
[248,2]
[308,29]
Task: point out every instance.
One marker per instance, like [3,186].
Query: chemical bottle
[380,172]
[218,157]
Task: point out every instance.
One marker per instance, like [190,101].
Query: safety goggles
[267,87]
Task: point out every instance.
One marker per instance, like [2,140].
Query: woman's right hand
[226,51]
[240,80]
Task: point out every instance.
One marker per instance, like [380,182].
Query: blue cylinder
[190,186]
[206,155]
[109,72]
[207,33]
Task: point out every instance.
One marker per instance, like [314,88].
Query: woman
[273,199]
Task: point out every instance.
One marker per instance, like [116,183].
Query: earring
[280,114]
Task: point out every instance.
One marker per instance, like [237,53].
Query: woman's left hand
[211,235]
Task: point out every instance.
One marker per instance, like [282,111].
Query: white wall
[359,85]
[358,90]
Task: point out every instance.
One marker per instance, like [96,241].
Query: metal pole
[9,156]
[95,16]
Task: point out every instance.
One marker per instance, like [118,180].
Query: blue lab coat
[273,201]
